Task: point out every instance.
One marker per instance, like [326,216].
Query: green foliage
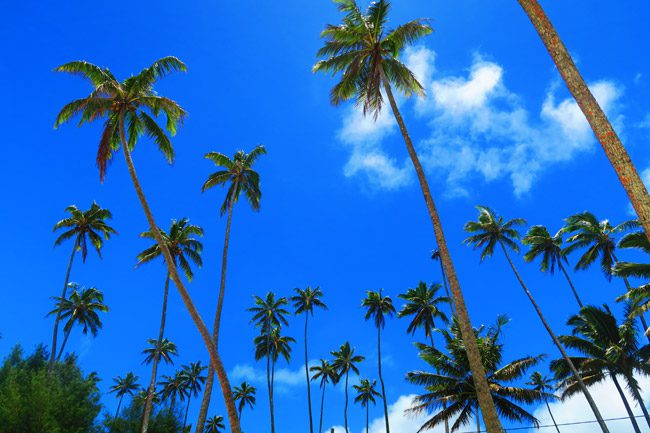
[85,225]
[162,420]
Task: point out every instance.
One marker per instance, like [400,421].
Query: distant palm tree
[541,243]
[193,379]
[81,308]
[490,231]
[544,386]
[244,396]
[423,303]
[304,302]
[163,350]
[344,361]
[184,248]
[173,388]
[366,394]
[326,373]
[377,308]
[83,226]
[435,256]
[123,386]
[239,173]
[214,425]
[141,397]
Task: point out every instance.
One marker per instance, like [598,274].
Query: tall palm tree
[161,350]
[423,303]
[193,380]
[304,301]
[239,174]
[541,243]
[609,349]
[244,396]
[121,387]
[543,385]
[345,361]
[214,425]
[453,388]
[366,394]
[326,373]
[490,231]
[172,388]
[377,308]
[435,256]
[83,226]
[184,248]
[366,55]
[81,308]
[611,143]
[131,109]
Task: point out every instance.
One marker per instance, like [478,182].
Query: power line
[558,424]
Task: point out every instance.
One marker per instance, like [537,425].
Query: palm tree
[609,349]
[453,388]
[83,226]
[366,394]
[377,308]
[184,248]
[541,243]
[367,56]
[214,425]
[141,397]
[423,303]
[304,301]
[163,350]
[543,385]
[244,396]
[173,387]
[193,380]
[492,231]
[238,172]
[326,373]
[123,386]
[611,143]
[268,314]
[131,109]
[81,308]
[435,256]
[344,361]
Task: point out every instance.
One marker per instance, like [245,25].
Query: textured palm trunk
[207,392]
[322,409]
[117,413]
[63,295]
[576,374]
[611,143]
[490,417]
[573,289]
[548,407]
[156,358]
[311,422]
[381,379]
[637,396]
[345,408]
[628,409]
[215,359]
[65,340]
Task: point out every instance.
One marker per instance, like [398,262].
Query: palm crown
[491,229]
[366,392]
[82,307]
[378,307]
[165,350]
[193,377]
[269,312]
[541,243]
[214,424]
[125,385]
[345,360]
[273,344]
[540,383]
[244,394]
[305,300]
[173,386]
[423,304]
[324,371]
[86,225]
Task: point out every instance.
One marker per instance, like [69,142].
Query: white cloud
[284,377]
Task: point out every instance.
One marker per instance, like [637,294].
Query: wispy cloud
[285,378]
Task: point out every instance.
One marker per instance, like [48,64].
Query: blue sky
[341,208]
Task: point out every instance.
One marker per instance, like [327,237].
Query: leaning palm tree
[239,174]
[304,301]
[544,386]
[244,396]
[541,243]
[193,380]
[84,227]
[366,394]
[184,248]
[327,374]
[490,231]
[127,385]
[131,109]
[377,308]
[608,349]
[611,143]
[82,308]
[423,303]
[214,425]
[345,361]
[172,388]
[366,55]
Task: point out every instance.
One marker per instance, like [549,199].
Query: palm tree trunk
[601,126]
[117,413]
[381,379]
[577,376]
[271,397]
[322,407]
[490,417]
[367,418]
[215,359]
[156,359]
[207,392]
[187,409]
[65,340]
[478,421]
[573,289]
[551,414]
[628,409]
[345,408]
[445,285]
[63,295]
[311,422]
[637,396]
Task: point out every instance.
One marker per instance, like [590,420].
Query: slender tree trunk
[639,400]
[573,289]
[322,408]
[271,398]
[601,126]
[381,379]
[551,414]
[575,372]
[367,418]
[490,417]
[628,409]
[311,422]
[345,408]
[478,421]
[207,392]
[445,285]
[156,359]
[240,409]
[187,410]
[65,340]
[117,413]
[215,359]
[628,287]
[63,295]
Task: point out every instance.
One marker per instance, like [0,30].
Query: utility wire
[558,424]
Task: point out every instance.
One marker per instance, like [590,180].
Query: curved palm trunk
[215,359]
[628,409]
[573,289]
[117,413]
[601,126]
[65,340]
[156,358]
[63,295]
[381,379]
[548,407]
[322,408]
[566,358]
[345,408]
[490,417]
[207,392]
[187,409]
[311,422]
[639,399]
